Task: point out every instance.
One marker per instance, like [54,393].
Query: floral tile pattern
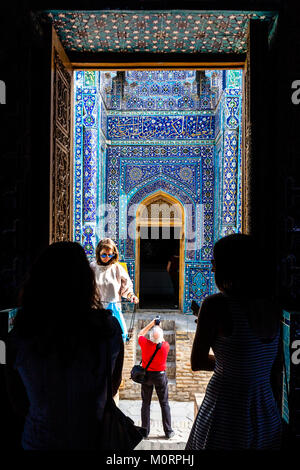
[169,31]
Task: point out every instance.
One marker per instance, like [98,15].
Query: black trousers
[160,382]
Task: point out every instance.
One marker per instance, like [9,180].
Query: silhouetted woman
[242,326]
[57,353]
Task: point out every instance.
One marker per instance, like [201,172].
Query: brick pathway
[182,415]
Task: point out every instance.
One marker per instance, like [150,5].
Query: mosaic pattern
[156,31]
[89,101]
[78,161]
[161,113]
[90,176]
[230,178]
[103,120]
[233,79]
[170,169]
[218,182]
[86,158]
[232,153]
[121,157]
[199,283]
[145,151]
[151,188]
[158,90]
[232,108]
[158,127]
[158,103]
[218,121]
[234,90]
[88,240]
[155,169]
[208,203]
[239,178]
[163,77]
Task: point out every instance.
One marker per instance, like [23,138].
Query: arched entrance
[160,226]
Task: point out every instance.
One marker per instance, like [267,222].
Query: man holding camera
[156,375]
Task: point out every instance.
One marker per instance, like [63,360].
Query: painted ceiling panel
[169,31]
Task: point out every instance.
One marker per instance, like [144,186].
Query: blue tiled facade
[174,131]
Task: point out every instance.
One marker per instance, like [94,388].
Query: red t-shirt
[159,362]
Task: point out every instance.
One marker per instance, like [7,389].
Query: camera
[157,320]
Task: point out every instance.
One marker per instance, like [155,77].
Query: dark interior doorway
[159,289]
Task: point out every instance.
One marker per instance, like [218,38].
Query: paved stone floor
[182,415]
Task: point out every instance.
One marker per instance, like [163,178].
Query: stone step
[156,439]
[171,370]
[161,444]
[182,419]
[170,338]
[164,324]
[159,311]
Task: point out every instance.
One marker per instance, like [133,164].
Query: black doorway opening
[159,289]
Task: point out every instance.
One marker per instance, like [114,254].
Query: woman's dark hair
[238,265]
[57,298]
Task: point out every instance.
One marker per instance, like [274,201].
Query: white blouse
[112,281]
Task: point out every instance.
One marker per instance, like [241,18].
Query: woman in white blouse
[112,281]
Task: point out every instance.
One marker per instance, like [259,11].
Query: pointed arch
[178,220]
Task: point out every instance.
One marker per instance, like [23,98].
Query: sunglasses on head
[104,255]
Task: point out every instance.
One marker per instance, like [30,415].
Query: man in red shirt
[156,376]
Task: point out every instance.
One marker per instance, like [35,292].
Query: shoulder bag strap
[158,346]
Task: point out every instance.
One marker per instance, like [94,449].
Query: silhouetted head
[237,265]
[59,291]
[107,252]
